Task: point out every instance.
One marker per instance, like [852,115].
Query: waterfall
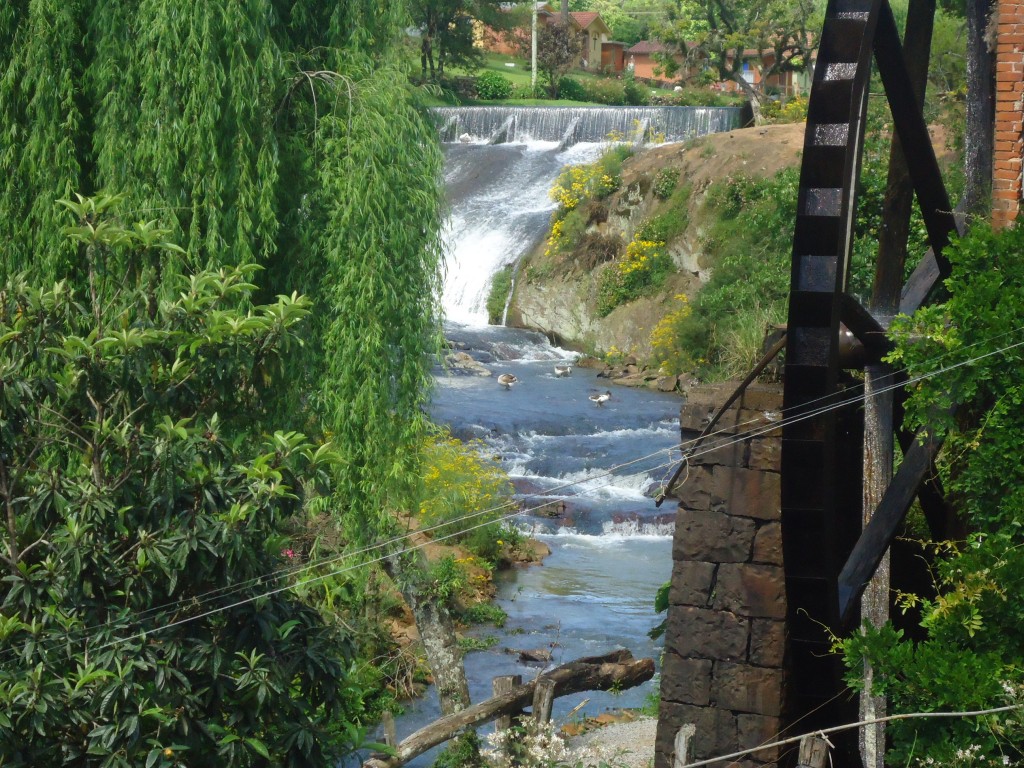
[525,124]
[498,182]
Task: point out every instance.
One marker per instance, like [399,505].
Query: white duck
[601,398]
[563,370]
[507,380]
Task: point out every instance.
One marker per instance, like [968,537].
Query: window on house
[748,72]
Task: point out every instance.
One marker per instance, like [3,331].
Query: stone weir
[571,125]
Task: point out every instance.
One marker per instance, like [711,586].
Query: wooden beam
[618,670]
[878,534]
[936,208]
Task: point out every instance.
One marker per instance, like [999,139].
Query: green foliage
[137,490]
[629,20]
[378,274]
[634,94]
[665,182]
[710,31]
[698,96]
[572,89]
[492,86]
[463,495]
[972,656]
[749,283]
[448,32]
[467,644]
[792,110]
[606,90]
[284,137]
[641,269]
[558,48]
[594,181]
[484,613]
[661,606]
[461,752]
[501,286]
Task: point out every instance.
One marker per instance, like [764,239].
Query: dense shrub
[965,355]
[689,96]
[750,281]
[462,484]
[643,267]
[491,86]
[605,91]
[501,284]
[634,93]
[571,89]
[665,182]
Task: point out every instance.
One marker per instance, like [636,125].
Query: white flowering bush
[529,745]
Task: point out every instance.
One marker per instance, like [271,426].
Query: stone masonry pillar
[1008,147]
[725,638]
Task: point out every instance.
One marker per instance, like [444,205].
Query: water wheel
[829,555]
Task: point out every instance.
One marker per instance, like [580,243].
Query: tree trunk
[751,93]
[565,12]
[437,633]
[980,111]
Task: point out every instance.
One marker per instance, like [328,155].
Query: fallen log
[617,669]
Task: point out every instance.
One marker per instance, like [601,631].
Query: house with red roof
[595,32]
[642,59]
[598,49]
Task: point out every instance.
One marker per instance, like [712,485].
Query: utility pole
[533,52]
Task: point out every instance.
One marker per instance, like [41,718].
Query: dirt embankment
[557,294]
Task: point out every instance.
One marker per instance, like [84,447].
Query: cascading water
[498,193]
[583,472]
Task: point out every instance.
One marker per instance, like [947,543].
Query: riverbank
[624,744]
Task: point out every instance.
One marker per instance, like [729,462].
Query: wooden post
[390,734]
[684,740]
[813,752]
[543,699]
[500,685]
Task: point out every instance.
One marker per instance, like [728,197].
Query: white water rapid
[583,473]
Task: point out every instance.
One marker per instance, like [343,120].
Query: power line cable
[849,726]
[735,438]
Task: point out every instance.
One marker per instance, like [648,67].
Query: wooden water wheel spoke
[828,560]
[916,144]
[879,533]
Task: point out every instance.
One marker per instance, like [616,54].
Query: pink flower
[289,553]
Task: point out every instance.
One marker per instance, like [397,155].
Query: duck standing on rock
[507,380]
[563,370]
[601,398]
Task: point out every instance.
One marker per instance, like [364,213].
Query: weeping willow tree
[278,133]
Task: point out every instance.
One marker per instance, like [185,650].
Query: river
[610,546]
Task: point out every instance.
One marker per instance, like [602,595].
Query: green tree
[146,520]
[281,134]
[967,354]
[558,50]
[711,33]
[447,29]
[630,21]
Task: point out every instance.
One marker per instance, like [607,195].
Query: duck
[507,380]
[563,370]
[601,398]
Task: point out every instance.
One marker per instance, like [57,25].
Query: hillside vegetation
[678,255]
[630,258]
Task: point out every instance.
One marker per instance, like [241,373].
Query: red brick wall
[1009,140]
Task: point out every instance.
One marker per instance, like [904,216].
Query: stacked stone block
[725,636]
[1008,147]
